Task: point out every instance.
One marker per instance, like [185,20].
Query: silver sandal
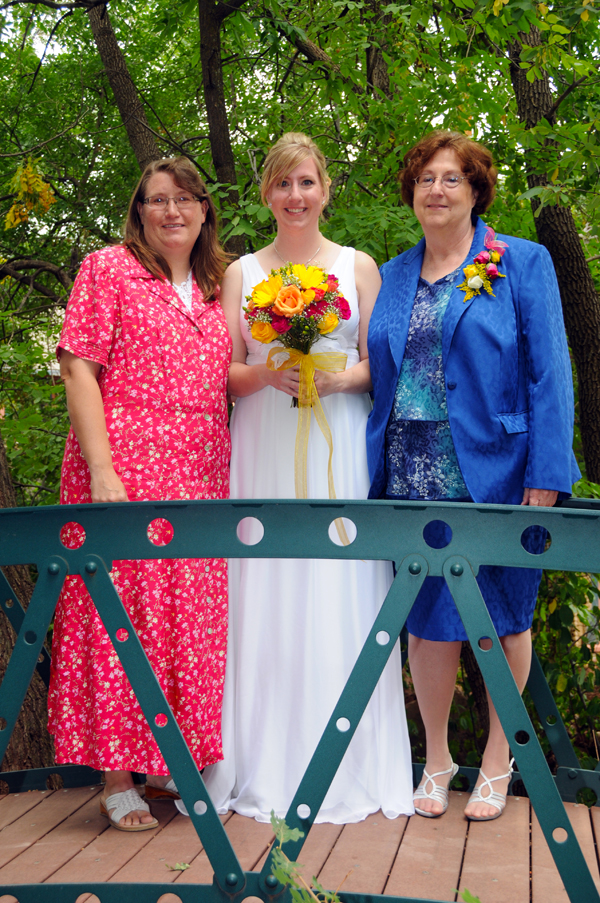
[439,793]
[497,800]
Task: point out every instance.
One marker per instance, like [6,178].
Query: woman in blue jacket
[473,401]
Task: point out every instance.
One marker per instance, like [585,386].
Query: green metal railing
[481,535]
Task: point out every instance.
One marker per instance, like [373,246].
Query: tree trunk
[211,16]
[130,106]
[557,231]
[377,71]
[31,745]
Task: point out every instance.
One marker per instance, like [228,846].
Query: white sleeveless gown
[297,626]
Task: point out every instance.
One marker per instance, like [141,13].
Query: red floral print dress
[163,381]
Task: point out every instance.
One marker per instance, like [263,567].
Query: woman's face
[297,199]
[438,207]
[171,231]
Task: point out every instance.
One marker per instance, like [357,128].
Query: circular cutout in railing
[200,807]
[250,531]
[55,782]
[8,603]
[72,535]
[342,529]
[30,637]
[437,534]
[536,540]
[160,531]
[161,720]
[559,835]
[342,725]
[174,898]
[551,720]
[83,898]
[485,643]
[2,724]
[122,634]
[382,637]
[303,811]
[522,738]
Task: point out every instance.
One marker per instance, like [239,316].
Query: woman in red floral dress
[144,355]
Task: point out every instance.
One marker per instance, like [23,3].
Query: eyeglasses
[159,202]
[449,180]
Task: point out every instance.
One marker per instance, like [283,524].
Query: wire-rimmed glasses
[161,202]
[448,180]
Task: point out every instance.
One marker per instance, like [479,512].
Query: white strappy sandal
[119,805]
[497,800]
[438,793]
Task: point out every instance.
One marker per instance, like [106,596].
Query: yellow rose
[494,257]
[263,332]
[265,292]
[328,323]
[470,271]
[308,295]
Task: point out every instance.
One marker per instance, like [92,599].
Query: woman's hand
[106,486]
[287,381]
[328,383]
[543,498]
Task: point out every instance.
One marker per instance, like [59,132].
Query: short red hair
[476,161]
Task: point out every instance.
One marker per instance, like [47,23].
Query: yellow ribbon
[308,400]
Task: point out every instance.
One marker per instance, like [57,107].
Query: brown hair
[476,161]
[207,258]
[286,154]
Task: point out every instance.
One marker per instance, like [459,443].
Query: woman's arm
[356,379]
[86,411]
[243,379]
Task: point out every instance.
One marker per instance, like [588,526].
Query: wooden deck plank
[546,884]
[367,850]
[14,805]
[41,859]
[250,840]
[109,852]
[429,860]
[178,842]
[35,824]
[496,863]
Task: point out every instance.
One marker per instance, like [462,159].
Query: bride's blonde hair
[286,154]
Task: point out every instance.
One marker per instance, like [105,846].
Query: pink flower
[332,283]
[491,243]
[343,308]
[482,257]
[491,270]
[319,294]
[280,324]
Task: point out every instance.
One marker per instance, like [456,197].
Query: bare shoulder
[365,267]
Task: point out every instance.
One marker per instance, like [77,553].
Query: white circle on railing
[334,533]
[250,531]
[382,637]
[342,725]
[200,807]
[303,811]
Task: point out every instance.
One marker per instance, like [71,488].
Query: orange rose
[289,301]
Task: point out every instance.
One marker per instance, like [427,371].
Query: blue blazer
[507,371]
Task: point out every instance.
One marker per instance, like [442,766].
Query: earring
[269,204]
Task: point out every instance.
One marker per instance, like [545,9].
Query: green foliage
[288,872]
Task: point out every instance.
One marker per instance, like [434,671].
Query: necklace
[285,261]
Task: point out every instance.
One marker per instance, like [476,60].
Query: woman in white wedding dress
[296,627]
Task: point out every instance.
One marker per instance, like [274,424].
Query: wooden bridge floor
[60,836]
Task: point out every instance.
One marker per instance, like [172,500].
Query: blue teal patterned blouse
[420,455]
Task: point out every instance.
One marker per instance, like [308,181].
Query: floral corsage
[484,269]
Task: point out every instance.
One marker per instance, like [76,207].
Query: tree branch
[45,266]
[30,150]
[222,10]
[574,84]
[43,56]
[7,270]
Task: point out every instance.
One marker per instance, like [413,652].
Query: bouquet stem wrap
[309,401]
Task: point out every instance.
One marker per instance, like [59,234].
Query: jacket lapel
[400,297]
[457,304]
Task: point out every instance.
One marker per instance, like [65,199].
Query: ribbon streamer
[308,400]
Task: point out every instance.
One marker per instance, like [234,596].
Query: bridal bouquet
[295,306]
